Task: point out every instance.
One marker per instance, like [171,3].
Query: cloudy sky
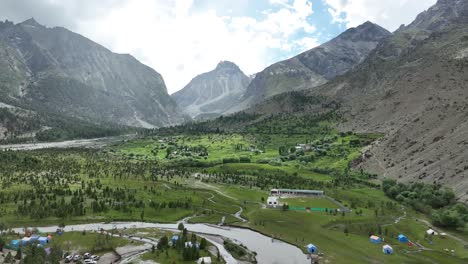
[183,38]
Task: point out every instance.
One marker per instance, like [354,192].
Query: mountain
[413,89]
[211,94]
[316,66]
[54,71]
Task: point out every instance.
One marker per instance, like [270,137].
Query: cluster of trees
[45,184]
[189,251]
[431,199]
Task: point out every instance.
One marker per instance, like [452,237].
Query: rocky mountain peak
[367,31]
[31,22]
[227,65]
[210,94]
[441,15]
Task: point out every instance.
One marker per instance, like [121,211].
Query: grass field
[146,180]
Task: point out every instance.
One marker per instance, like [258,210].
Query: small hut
[402,238]
[312,249]
[375,239]
[387,249]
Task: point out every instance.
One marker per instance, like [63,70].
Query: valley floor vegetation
[225,178]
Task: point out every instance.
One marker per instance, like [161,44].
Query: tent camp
[387,249]
[402,238]
[375,239]
[312,249]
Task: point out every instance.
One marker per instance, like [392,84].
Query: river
[79,143]
[268,251]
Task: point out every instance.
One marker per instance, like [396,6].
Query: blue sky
[183,38]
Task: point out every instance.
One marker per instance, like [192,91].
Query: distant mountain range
[316,66]
[57,72]
[227,90]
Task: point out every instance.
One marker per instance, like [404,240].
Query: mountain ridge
[58,71]
[314,67]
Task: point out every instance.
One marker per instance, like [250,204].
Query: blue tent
[402,238]
[34,238]
[375,239]
[387,249]
[43,240]
[312,249]
[174,239]
[15,243]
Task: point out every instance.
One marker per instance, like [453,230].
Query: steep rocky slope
[316,66]
[53,70]
[413,88]
[211,94]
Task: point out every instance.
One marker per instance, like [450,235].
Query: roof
[295,190]
[374,237]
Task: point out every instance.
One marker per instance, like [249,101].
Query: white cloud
[181,43]
[389,14]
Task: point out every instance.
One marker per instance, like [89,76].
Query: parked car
[76,257]
[87,255]
[68,258]
[90,261]
[95,257]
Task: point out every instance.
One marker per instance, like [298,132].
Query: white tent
[431,232]
[206,260]
[387,249]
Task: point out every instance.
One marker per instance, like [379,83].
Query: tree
[163,242]
[346,230]
[180,226]
[8,258]
[56,254]
[285,207]
[19,254]
[142,215]
[203,243]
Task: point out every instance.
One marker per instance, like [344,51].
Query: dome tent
[312,249]
[375,239]
[402,238]
[387,249]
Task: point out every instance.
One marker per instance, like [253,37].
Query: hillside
[211,94]
[316,66]
[413,89]
[55,71]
